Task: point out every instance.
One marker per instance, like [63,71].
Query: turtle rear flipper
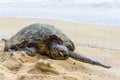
[76,56]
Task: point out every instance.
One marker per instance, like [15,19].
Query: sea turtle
[45,39]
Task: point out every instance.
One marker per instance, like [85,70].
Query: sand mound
[24,67]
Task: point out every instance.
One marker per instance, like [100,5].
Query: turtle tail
[86,60]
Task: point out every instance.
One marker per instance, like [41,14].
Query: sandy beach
[97,42]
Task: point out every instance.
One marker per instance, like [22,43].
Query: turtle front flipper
[86,60]
[31,51]
[67,52]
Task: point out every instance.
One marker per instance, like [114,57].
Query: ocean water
[87,11]
[95,16]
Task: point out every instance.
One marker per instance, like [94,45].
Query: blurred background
[81,11]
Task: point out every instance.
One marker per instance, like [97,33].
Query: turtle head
[55,46]
[58,52]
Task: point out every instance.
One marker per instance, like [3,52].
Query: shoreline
[87,23]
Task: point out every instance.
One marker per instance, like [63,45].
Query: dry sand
[98,42]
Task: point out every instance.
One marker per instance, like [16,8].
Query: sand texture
[98,42]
